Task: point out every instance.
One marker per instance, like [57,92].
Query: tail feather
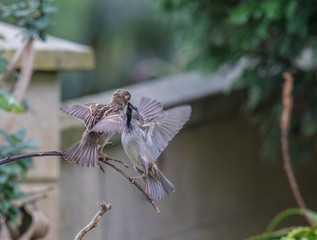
[83,154]
[155,189]
[167,185]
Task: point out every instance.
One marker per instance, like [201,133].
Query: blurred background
[224,58]
[132,43]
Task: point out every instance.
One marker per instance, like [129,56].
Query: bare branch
[147,196]
[29,155]
[24,81]
[285,122]
[106,161]
[14,62]
[93,223]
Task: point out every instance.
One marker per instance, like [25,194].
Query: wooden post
[42,120]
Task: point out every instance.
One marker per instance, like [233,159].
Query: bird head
[121,97]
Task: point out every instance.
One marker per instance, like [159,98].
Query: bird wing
[149,109]
[164,126]
[80,111]
[110,124]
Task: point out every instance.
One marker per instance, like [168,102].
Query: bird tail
[167,185]
[156,187]
[82,153]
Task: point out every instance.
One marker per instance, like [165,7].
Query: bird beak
[133,107]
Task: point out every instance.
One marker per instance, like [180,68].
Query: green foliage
[3,62]
[272,34]
[294,233]
[32,15]
[9,103]
[287,213]
[276,235]
[11,173]
[297,233]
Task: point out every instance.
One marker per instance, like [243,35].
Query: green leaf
[276,235]
[243,13]
[9,103]
[287,213]
[3,178]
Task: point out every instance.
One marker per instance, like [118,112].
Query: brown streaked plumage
[146,133]
[98,119]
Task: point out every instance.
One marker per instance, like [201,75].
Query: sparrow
[146,131]
[96,117]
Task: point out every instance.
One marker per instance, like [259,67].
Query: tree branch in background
[285,123]
[26,70]
[93,223]
[56,153]
[24,81]
[14,62]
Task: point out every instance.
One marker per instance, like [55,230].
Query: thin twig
[285,123]
[93,223]
[29,155]
[118,161]
[30,200]
[26,70]
[14,61]
[147,196]
[56,153]
[24,81]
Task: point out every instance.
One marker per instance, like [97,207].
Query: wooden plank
[53,54]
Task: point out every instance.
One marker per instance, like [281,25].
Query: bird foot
[105,156]
[132,179]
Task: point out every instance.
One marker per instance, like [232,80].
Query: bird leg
[105,156]
[146,187]
[137,177]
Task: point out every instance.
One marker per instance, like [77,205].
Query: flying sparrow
[146,132]
[97,118]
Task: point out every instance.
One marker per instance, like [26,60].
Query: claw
[105,156]
[140,176]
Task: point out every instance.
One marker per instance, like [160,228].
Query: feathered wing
[111,124]
[83,152]
[149,109]
[164,127]
[80,111]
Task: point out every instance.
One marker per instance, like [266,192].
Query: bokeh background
[225,59]
[132,43]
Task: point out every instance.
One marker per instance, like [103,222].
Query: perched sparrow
[146,133]
[97,118]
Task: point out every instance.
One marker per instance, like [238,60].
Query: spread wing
[149,109]
[110,124]
[164,126]
[80,111]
